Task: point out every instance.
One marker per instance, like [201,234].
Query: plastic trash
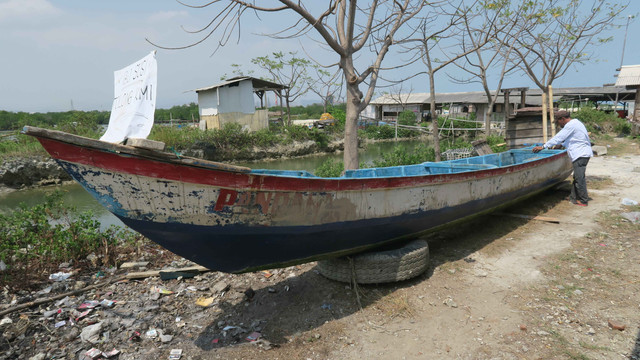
[161,290]
[60,276]
[627,201]
[91,354]
[204,301]
[89,304]
[52,313]
[107,303]
[111,353]
[634,217]
[175,354]
[91,333]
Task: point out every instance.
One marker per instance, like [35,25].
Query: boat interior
[476,163]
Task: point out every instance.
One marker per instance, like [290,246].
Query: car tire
[375,267]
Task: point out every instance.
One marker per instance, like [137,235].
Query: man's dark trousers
[579,189]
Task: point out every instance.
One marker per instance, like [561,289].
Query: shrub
[401,156]
[622,127]
[494,140]
[265,138]
[330,168]
[380,132]
[597,121]
[35,240]
[407,117]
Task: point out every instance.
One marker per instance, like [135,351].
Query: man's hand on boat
[538,148]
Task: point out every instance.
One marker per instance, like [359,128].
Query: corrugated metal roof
[257,84]
[629,76]
[470,97]
[533,96]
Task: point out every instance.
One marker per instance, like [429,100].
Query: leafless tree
[347,27]
[491,24]
[328,86]
[434,41]
[563,35]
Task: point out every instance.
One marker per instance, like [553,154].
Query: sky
[60,55]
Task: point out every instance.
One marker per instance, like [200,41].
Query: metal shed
[232,101]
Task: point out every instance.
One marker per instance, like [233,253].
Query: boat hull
[238,221]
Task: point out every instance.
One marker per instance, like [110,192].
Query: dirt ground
[500,287]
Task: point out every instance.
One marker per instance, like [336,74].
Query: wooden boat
[235,219]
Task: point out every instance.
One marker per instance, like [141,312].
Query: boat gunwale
[260,182]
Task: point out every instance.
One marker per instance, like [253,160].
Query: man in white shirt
[575,138]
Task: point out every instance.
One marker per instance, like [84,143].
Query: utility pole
[624,43]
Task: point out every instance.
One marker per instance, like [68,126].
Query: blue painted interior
[508,158]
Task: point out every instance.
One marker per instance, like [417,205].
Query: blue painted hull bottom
[272,247]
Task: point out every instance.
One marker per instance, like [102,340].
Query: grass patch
[35,240]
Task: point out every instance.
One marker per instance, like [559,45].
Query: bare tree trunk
[552,117]
[434,116]
[288,112]
[351,160]
[544,116]
[487,121]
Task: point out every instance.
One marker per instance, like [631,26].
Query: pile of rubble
[129,313]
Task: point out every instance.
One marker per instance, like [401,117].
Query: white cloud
[17,10]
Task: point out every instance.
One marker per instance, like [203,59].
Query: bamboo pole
[551,112]
[544,117]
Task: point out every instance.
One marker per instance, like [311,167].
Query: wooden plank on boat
[145,144]
[152,273]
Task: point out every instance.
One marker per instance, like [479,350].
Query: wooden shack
[525,128]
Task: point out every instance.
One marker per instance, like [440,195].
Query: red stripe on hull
[243,181]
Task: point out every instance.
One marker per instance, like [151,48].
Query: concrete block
[599,150]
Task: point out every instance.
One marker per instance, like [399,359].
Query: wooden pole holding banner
[544,117]
[551,112]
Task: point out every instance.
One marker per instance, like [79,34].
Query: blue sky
[55,53]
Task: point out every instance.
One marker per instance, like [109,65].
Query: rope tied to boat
[175,152]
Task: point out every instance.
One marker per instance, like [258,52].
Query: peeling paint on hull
[243,221]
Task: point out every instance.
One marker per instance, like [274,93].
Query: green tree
[289,70]
[236,71]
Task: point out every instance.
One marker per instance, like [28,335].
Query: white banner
[134,101]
